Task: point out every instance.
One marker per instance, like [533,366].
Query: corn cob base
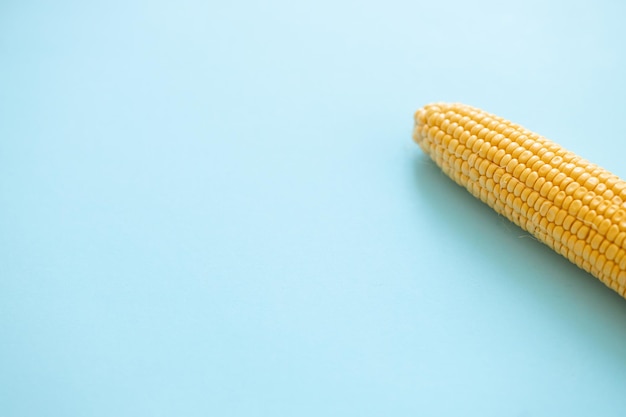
[575,207]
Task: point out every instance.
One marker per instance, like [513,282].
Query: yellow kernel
[517,172]
[504,179]
[515,153]
[504,143]
[558,232]
[537,165]
[464,136]
[524,156]
[535,148]
[525,173]
[566,182]
[465,167]
[567,201]
[496,139]
[559,197]
[560,217]
[567,169]
[575,226]
[611,209]
[482,167]
[511,148]
[552,192]
[576,172]
[593,256]
[579,193]
[508,131]
[510,167]
[532,177]
[532,161]
[532,198]
[511,184]
[622,263]
[525,141]
[543,170]
[569,190]
[600,188]
[509,199]
[619,216]
[597,203]
[558,178]
[587,198]
[476,128]
[619,186]
[477,144]
[470,141]
[517,136]
[451,128]
[556,161]
[605,244]
[611,234]
[473,159]
[505,159]
[552,174]
[611,251]
[586,251]
[567,222]
[596,241]
[571,241]
[498,156]
[575,207]
[582,178]
[524,209]
[484,149]
[591,183]
[578,248]
[545,189]
[547,157]
[590,216]
[551,214]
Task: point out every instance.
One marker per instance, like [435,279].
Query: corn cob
[575,207]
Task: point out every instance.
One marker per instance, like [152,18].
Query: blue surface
[217,210]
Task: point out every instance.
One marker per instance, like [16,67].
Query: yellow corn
[571,205]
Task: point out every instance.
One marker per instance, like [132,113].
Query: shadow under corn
[535,275]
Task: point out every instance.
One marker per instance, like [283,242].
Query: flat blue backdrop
[216,209]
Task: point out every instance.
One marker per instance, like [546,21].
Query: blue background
[216,209]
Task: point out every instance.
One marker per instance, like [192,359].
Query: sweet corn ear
[575,207]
